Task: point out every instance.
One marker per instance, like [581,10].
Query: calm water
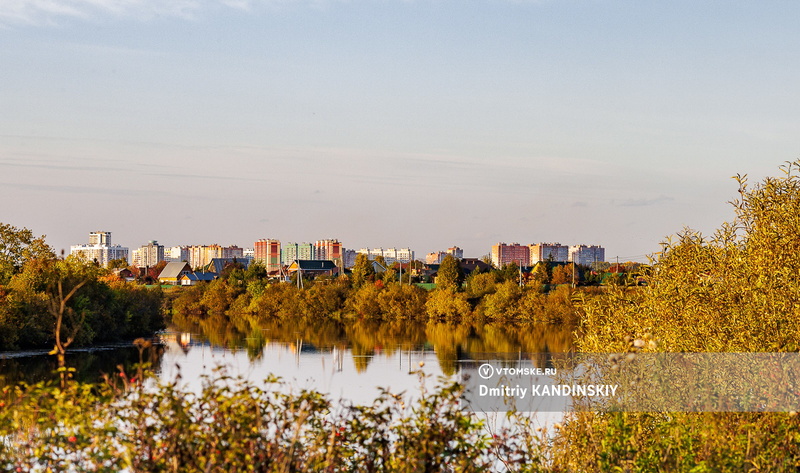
[349,360]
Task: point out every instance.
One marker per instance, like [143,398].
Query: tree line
[248,296]
[52,301]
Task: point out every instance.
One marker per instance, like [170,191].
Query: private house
[468,265]
[218,264]
[313,268]
[192,279]
[172,272]
[182,274]
[124,274]
[379,268]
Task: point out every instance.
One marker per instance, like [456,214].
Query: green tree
[363,271]
[18,245]
[450,275]
[509,272]
[256,271]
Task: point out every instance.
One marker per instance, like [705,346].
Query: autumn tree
[119,263]
[736,290]
[363,270]
[447,303]
[563,274]
[540,275]
[480,284]
[450,275]
[154,272]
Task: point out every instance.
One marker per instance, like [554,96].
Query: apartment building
[503,254]
[586,255]
[148,255]
[548,251]
[268,252]
[99,249]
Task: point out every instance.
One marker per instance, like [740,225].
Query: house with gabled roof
[192,279]
[313,267]
[218,264]
[172,272]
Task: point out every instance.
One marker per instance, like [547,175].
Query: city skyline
[392,124]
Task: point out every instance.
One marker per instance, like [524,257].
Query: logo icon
[486,371]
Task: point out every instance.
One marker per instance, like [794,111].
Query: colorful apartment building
[268,253]
[503,254]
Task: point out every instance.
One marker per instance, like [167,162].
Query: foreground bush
[735,291]
[233,425]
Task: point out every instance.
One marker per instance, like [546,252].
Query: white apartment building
[148,255]
[549,251]
[390,255]
[176,254]
[100,249]
[586,255]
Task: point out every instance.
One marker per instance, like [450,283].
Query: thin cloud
[198,176]
[64,189]
[642,202]
[48,12]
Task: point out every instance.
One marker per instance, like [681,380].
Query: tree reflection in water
[451,341]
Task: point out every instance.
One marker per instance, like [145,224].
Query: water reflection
[365,339]
[90,363]
[341,354]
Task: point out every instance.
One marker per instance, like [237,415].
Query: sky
[417,123]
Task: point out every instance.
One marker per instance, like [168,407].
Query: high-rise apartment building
[100,249]
[329,250]
[549,251]
[100,238]
[350,258]
[232,252]
[437,256]
[297,251]
[586,255]
[268,253]
[306,251]
[249,254]
[503,254]
[176,254]
[148,255]
[390,255]
[201,255]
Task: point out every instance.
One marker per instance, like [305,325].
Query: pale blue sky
[391,123]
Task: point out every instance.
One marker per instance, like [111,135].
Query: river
[346,359]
